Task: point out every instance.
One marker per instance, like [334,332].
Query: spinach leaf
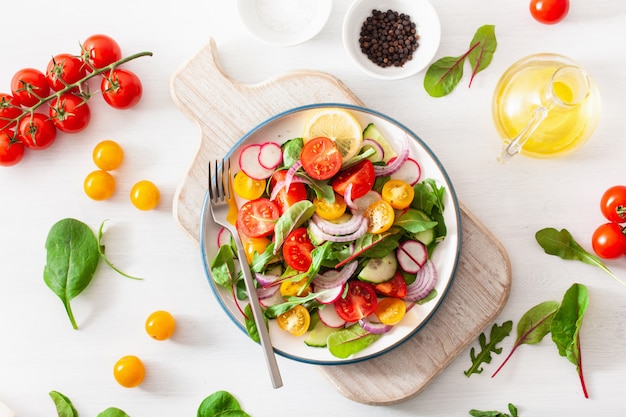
[322,189]
[64,406]
[223,267]
[498,333]
[412,221]
[222,404]
[533,326]
[480,57]
[71,260]
[291,151]
[566,326]
[562,244]
[113,412]
[291,219]
[478,413]
[105,259]
[346,342]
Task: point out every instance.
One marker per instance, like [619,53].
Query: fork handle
[259,317]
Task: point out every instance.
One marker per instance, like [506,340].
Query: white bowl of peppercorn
[391,39]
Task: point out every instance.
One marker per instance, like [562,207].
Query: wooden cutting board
[225,110]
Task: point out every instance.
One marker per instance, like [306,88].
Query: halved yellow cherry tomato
[254,245]
[390,310]
[248,188]
[330,211]
[296,321]
[294,288]
[380,215]
[398,193]
[129,371]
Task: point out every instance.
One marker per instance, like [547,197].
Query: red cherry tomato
[360,301]
[11,151]
[28,86]
[36,131]
[297,249]
[70,113]
[287,197]
[100,50]
[121,89]
[613,204]
[395,287]
[609,241]
[321,159]
[549,12]
[256,218]
[361,176]
[9,109]
[64,69]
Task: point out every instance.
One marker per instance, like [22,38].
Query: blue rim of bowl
[206,216]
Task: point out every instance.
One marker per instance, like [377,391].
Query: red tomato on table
[613,204]
[549,12]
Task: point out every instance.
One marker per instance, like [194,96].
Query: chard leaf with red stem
[480,57]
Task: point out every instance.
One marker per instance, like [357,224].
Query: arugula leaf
[276,310]
[373,245]
[566,326]
[346,342]
[480,57]
[498,333]
[478,413]
[562,244]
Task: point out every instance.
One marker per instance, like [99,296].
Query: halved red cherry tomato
[361,176]
[64,69]
[360,301]
[257,218]
[36,131]
[395,287]
[9,109]
[613,204]
[70,113]
[297,249]
[609,241]
[321,158]
[296,320]
[28,86]
[121,89]
[549,12]
[11,151]
[287,197]
[100,50]
[390,310]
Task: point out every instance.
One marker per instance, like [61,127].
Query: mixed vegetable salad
[339,232]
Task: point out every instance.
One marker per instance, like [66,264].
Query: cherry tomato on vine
[99,185]
[100,50]
[613,204]
[129,371]
[36,131]
[121,89]
[160,325]
[28,86]
[549,12]
[70,113]
[609,241]
[64,69]
[145,195]
[108,155]
[9,109]
[11,151]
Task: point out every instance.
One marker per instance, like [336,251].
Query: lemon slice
[340,126]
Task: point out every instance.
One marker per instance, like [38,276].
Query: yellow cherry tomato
[254,245]
[398,193]
[145,195]
[380,215]
[296,320]
[248,188]
[160,325]
[390,310]
[129,371]
[108,155]
[99,185]
[330,211]
[294,288]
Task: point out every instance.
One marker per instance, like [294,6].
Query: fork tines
[219,180]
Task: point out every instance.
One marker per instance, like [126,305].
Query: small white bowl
[284,22]
[426,20]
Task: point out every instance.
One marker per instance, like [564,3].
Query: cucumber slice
[319,332]
[377,270]
[427,236]
[372,132]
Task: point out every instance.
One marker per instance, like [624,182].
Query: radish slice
[223,237]
[250,165]
[329,295]
[362,203]
[374,327]
[424,283]
[328,315]
[411,255]
[270,155]
[409,172]
[379,152]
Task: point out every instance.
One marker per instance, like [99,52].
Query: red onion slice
[334,277]
[394,165]
[342,238]
[345,228]
[424,283]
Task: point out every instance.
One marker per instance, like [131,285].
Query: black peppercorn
[388,38]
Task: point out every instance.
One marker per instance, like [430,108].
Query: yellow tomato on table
[129,371]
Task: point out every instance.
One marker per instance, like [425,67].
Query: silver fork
[219,195]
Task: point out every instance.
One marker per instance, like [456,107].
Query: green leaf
[220,403]
[498,333]
[566,326]
[251,327]
[113,412]
[71,260]
[63,405]
[443,75]
[291,151]
[479,413]
[348,341]
[412,221]
[291,219]
[562,244]
[223,267]
[481,57]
